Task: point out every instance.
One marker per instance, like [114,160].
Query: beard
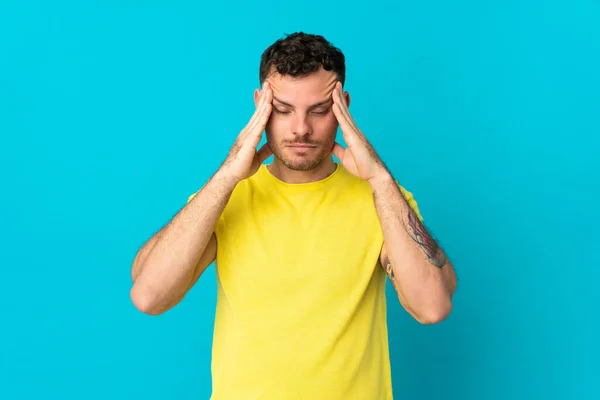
[300,160]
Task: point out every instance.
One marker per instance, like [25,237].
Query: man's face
[302,127]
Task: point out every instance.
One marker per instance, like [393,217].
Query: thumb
[338,151]
[263,153]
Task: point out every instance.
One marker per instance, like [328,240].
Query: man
[302,246]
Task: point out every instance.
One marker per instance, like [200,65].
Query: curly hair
[300,54]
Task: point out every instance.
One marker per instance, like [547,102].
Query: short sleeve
[192,196]
[219,222]
[410,199]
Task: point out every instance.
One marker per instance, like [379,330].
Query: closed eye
[322,112]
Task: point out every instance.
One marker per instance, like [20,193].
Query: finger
[347,129]
[339,91]
[353,128]
[263,115]
[263,153]
[258,120]
[341,101]
[254,134]
[338,151]
[342,110]
[259,106]
[263,94]
[258,110]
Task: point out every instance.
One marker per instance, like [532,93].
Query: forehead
[305,90]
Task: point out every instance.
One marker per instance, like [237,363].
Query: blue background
[113,112]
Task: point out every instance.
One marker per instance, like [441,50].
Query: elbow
[435,314]
[143,300]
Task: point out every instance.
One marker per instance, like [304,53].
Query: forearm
[165,266]
[418,267]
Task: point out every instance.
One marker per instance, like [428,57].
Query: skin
[418,268]
[171,261]
[302,114]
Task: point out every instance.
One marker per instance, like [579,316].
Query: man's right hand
[244,160]
[169,264]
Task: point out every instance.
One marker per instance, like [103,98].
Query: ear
[347,98]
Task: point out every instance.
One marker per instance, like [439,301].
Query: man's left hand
[359,158]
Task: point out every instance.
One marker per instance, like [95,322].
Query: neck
[283,173]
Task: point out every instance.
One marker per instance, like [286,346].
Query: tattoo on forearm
[416,230]
[387,266]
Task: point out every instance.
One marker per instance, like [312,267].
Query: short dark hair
[300,54]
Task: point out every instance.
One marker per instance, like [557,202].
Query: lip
[302,146]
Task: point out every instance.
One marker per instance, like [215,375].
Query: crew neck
[266,173]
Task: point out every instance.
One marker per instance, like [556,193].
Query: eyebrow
[321,103]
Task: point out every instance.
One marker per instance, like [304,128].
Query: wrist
[381,180]
[225,178]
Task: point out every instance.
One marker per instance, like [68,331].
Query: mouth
[301,146]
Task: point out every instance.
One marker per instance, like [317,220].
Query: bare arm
[169,264]
[417,266]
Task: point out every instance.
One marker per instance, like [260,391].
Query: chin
[296,162]
[301,166]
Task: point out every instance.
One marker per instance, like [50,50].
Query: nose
[300,125]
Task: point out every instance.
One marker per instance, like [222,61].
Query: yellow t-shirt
[301,307]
